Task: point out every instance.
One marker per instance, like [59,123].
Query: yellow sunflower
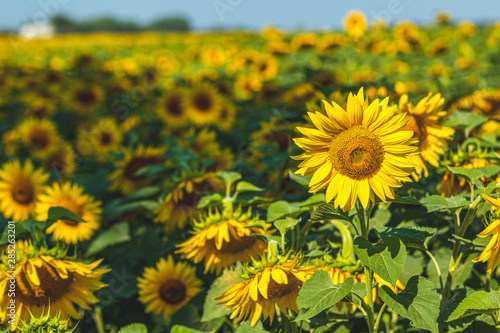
[171,109]
[304,41]
[71,197]
[355,23]
[226,116]
[266,68]
[423,121]
[491,252]
[168,287]
[203,104]
[103,139]
[40,135]
[61,159]
[486,103]
[269,286]
[40,108]
[182,202]
[84,99]
[20,188]
[221,240]
[124,177]
[358,153]
[451,184]
[45,281]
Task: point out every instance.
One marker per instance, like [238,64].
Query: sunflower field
[239,181]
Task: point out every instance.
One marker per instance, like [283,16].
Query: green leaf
[419,302]
[245,186]
[381,217]
[412,237]
[360,289]
[210,200]
[212,310]
[259,224]
[117,234]
[327,211]
[437,202]
[447,308]
[280,209]
[465,120]
[302,180]
[229,177]
[246,328]
[314,200]
[469,174]
[61,213]
[477,303]
[143,193]
[134,328]
[184,329]
[284,224]
[387,259]
[404,200]
[319,293]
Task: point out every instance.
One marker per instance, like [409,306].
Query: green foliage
[118,233]
[417,237]
[478,303]
[134,328]
[61,213]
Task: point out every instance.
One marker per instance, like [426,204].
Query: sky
[252,14]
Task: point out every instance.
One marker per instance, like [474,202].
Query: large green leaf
[245,186]
[404,200]
[246,328]
[327,211]
[419,302]
[283,225]
[302,180]
[280,209]
[386,259]
[465,120]
[447,308]
[61,213]
[229,177]
[477,303]
[437,202]
[134,328]
[117,234]
[210,200]
[412,237]
[319,293]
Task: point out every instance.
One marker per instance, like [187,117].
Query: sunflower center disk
[39,138]
[276,290]
[203,102]
[52,286]
[23,192]
[173,292]
[237,245]
[356,153]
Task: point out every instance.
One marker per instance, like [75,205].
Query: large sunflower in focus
[40,135]
[269,286]
[423,119]
[182,202]
[222,239]
[20,187]
[71,197]
[168,287]
[203,104]
[356,153]
[124,178]
[46,281]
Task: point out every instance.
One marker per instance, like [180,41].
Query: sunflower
[171,109]
[182,202]
[40,135]
[304,41]
[84,99]
[202,104]
[355,23]
[443,18]
[492,251]
[222,239]
[103,139]
[168,287]
[61,159]
[47,281]
[438,47]
[124,177]
[423,119]
[226,116]
[71,197]
[40,108]
[20,188]
[466,29]
[331,42]
[266,68]
[358,153]
[486,103]
[246,85]
[269,286]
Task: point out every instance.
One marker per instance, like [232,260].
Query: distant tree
[108,24]
[63,24]
[173,23]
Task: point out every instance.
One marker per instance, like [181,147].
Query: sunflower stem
[99,323]
[379,317]
[429,254]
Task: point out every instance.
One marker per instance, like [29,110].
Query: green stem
[99,323]
[437,268]
[379,317]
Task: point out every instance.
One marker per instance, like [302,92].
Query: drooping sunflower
[46,280]
[202,104]
[182,202]
[355,23]
[61,159]
[71,197]
[40,135]
[491,252]
[171,109]
[20,188]
[124,177]
[357,153]
[486,103]
[222,239]
[451,184]
[269,286]
[423,121]
[102,139]
[168,287]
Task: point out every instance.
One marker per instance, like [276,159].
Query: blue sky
[309,14]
